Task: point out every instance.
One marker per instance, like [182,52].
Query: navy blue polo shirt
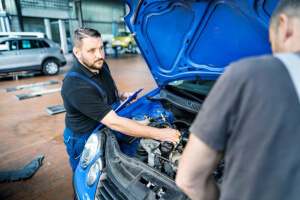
[84,105]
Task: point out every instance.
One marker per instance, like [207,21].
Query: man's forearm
[130,127]
[206,190]
[194,175]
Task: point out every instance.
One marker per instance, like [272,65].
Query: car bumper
[132,179]
[63,63]
[120,44]
[125,178]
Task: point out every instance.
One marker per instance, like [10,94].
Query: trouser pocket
[68,141]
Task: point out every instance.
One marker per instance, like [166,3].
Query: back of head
[285,27]
[84,32]
[289,7]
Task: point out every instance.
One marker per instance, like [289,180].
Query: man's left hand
[125,95]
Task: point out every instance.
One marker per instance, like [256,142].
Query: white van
[22,34]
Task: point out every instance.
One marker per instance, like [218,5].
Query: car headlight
[94,171]
[91,148]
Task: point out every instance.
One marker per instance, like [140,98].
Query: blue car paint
[82,189]
[183,39]
[179,39]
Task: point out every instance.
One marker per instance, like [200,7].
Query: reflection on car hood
[182,39]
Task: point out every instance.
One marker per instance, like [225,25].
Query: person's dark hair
[84,32]
[289,7]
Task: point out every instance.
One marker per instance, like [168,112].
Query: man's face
[91,53]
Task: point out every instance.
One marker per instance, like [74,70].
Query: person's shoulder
[74,84]
[254,65]
[255,61]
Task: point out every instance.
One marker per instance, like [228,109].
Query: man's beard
[92,65]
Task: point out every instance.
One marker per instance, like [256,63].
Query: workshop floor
[27,130]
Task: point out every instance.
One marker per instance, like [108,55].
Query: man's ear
[285,27]
[77,52]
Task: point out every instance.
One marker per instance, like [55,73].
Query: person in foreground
[90,94]
[252,118]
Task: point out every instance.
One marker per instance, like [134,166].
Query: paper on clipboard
[130,98]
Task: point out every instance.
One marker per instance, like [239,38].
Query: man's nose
[98,54]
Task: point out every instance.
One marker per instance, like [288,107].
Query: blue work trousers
[74,144]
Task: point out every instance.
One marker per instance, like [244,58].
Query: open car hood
[184,38]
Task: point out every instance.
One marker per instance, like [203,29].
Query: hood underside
[182,39]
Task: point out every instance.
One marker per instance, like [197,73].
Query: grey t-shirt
[253,114]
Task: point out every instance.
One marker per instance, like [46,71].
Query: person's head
[285,27]
[88,48]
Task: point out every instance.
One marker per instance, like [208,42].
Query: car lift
[56,109]
[20,87]
[16,76]
[36,94]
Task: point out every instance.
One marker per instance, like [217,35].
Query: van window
[13,45]
[29,44]
[3,46]
[46,45]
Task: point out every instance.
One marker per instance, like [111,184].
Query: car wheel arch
[49,59]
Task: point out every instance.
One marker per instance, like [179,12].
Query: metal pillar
[113,20]
[48,28]
[19,11]
[63,37]
[127,10]
[6,21]
[3,28]
[2,18]
[79,12]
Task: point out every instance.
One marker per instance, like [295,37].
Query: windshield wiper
[186,93]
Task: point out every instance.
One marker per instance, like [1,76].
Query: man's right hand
[132,128]
[168,134]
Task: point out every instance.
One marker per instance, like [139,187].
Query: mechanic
[252,117]
[89,98]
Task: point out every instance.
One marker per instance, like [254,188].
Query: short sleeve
[89,103]
[215,120]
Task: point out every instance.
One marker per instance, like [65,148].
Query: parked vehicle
[123,40]
[22,34]
[187,45]
[30,53]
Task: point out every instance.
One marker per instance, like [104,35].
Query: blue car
[187,45]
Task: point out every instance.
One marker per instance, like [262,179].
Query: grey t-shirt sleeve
[215,120]
[89,103]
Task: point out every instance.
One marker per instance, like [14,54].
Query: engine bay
[168,110]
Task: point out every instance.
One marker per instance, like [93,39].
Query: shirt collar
[83,70]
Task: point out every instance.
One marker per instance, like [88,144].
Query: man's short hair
[84,32]
[289,7]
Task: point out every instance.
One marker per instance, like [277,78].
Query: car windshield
[197,89]
[123,34]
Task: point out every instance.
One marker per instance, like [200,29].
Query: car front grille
[109,191]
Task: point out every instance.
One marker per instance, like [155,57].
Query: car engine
[165,156]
